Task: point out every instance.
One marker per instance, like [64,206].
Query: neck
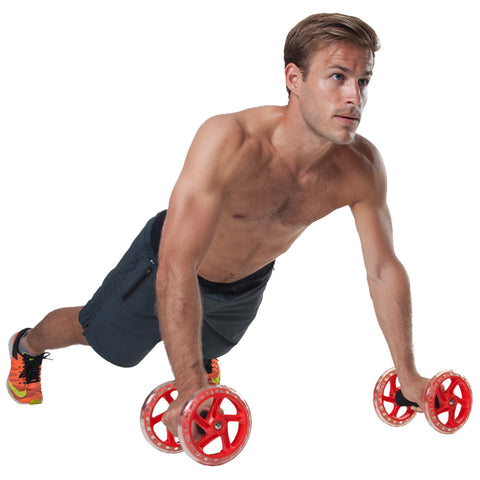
[301,147]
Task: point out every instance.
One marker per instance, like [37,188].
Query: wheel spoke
[227,445]
[393,386]
[156,419]
[206,439]
[201,422]
[452,386]
[395,411]
[214,409]
[442,408]
[451,422]
[441,396]
[235,418]
[168,397]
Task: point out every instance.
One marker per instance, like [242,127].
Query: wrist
[407,376]
[187,386]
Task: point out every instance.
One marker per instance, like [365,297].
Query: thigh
[120,321]
[125,327]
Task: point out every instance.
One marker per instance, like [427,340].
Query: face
[333,94]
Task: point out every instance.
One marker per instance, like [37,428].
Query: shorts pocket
[139,275]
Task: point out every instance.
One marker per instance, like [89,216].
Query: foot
[213,371]
[24,379]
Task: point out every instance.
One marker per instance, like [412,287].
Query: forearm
[180,317]
[390,292]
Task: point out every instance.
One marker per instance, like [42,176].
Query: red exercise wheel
[384,401]
[151,415]
[447,402]
[225,419]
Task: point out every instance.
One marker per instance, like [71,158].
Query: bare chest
[289,203]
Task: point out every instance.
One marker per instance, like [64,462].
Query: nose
[354,95]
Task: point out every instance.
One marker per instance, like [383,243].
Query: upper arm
[372,219]
[197,199]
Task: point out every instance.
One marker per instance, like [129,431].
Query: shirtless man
[251,184]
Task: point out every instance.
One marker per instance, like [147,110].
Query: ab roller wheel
[214,426]
[384,401]
[155,405]
[447,401]
[215,423]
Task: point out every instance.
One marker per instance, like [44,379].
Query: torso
[268,206]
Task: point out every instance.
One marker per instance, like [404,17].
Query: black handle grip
[401,401]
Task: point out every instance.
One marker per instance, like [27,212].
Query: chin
[344,139]
[337,136]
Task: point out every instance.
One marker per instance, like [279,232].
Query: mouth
[347,120]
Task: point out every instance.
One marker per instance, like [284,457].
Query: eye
[338,76]
[363,82]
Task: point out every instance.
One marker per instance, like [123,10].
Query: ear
[293,77]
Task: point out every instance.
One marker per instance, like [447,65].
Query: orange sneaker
[23,382]
[213,371]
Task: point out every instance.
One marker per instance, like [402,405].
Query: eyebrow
[367,73]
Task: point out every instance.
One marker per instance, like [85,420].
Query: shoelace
[32,367]
[211,367]
[208,366]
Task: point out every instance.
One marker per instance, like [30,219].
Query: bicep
[372,216]
[374,226]
[192,217]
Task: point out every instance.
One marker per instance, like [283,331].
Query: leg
[58,329]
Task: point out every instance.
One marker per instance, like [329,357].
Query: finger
[172,427]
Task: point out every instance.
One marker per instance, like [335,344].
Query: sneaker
[213,371]
[24,379]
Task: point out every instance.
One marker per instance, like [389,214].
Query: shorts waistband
[254,280]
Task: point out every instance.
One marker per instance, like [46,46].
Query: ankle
[27,344]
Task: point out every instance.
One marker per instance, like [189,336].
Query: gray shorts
[120,321]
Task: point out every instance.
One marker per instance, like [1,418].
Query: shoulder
[235,139]
[221,131]
[249,124]
[225,145]
[370,169]
[366,153]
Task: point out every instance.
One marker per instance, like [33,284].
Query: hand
[171,418]
[413,389]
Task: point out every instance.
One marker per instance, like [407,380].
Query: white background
[99,101]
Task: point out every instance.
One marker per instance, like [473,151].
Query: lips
[347,119]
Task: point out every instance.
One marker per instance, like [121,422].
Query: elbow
[388,272]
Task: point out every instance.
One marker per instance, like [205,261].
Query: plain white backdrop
[99,101]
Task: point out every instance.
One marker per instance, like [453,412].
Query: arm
[388,282]
[193,215]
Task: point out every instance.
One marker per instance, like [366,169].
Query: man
[251,184]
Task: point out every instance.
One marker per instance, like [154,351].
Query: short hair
[324,29]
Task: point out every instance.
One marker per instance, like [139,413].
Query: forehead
[346,55]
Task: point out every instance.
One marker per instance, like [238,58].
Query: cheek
[365,96]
